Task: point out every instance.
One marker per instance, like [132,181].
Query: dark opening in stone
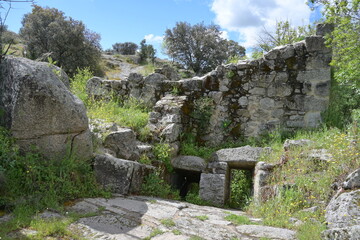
[182,179]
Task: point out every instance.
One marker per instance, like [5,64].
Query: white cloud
[249,17]
[151,38]
[224,35]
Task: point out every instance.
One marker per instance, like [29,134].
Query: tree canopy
[199,47]
[7,37]
[126,48]
[345,39]
[147,51]
[70,44]
[284,34]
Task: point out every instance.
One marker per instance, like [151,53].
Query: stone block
[119,175]
[352,181]
[123,144]
[312,103]
[312,119]
[316,43]
[189,163]
[214,188]
[241,157]
[323,89]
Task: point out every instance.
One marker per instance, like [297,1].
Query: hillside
[249,135]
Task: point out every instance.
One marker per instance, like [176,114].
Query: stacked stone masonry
[288,88]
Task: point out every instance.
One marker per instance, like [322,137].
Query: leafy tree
[6,37]
[283,34]
[126,48]
[345,43]
[147,51]
[199,47]
[70,43]
[345,39]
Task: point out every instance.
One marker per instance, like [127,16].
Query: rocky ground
[139,217]
[124,67]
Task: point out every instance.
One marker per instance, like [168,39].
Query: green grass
[176,232]
[112,111]
[309,181]
[238,219]
[202,217]
[168,222]
[196,238]
[34,183]
[154,233]
[129,112]
[148,69]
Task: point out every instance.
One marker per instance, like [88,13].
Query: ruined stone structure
[287,88]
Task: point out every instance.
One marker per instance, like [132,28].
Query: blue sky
[122,21]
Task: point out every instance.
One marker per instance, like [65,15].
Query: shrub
[126,48]
[238,219]
[240,188]
[72,46]
[33,183]
[162,153]
[78,83]
[155,186]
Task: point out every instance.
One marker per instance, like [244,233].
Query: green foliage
[199,47]
[33,183]
[193,196]
[113,111]
[175,91]
[195,238]
[154,233]
[72,46]
[126,48]
[162,152]
[147,51]
[343,100]
[344,40]
[202,112]
[176,232]
[284,34]
[147,69]
[129,112]
[240,188]
[345,45]
[144,159]
[78,83]
[168,222]
[202,217]
[310,230]
[238,219]
[305,183]
[155,186]
[190,147]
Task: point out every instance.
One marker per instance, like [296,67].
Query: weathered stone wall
[288,88]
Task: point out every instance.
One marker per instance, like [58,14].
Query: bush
[126,48]
[38,183]
[162,153]
[71,45]
[240,188]
[155,186]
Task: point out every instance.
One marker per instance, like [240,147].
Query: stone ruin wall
[288,88]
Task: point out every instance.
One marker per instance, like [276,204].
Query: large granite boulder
[123,144]
[343,216]
[119,175]
[352,181]
[241,157]
[189,163]
[40,111]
